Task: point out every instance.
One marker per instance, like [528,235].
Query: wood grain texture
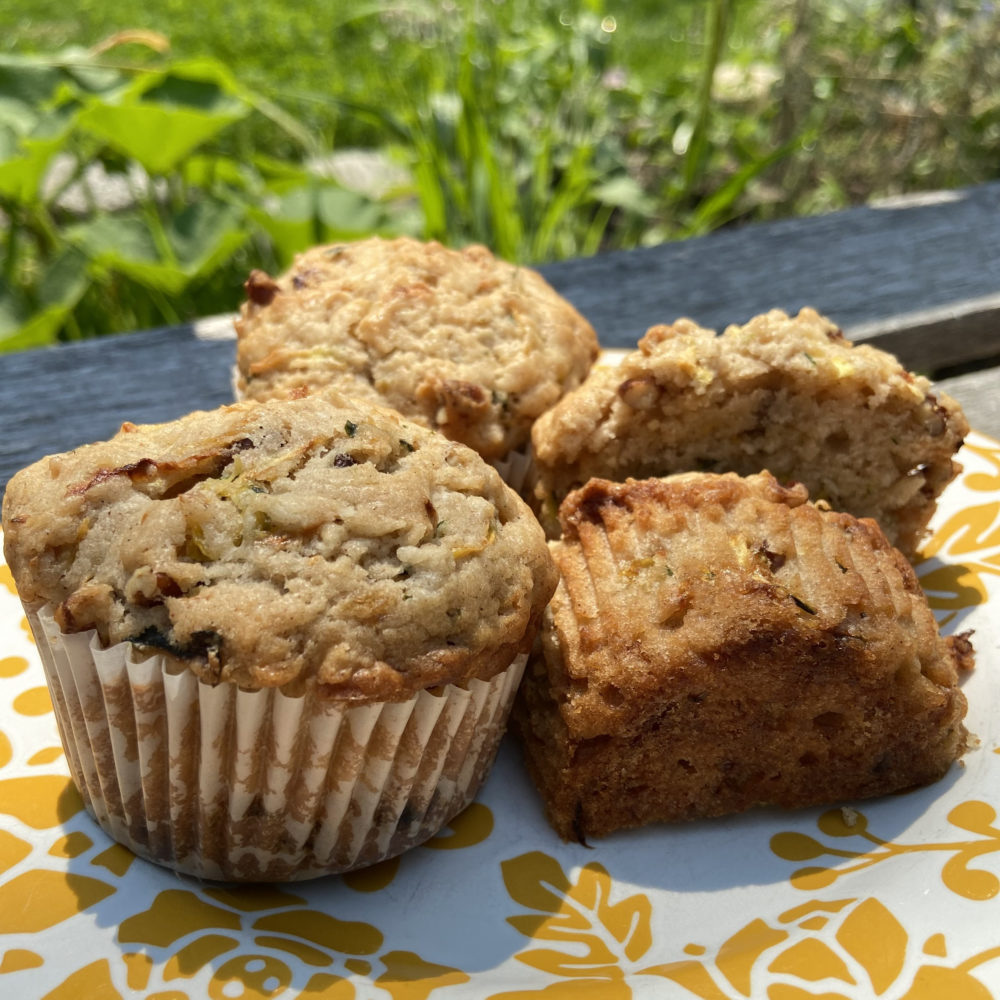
[922,280]
[860,267]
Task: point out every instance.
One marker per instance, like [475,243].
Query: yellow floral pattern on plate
[895,900]
[854,948]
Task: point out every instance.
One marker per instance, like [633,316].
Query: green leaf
[24,159]
[346,214]
[205,235]
[278,172]
[200,239]
[157,137]
[166,115]
[206,171]
[323,212]
[290,220]
[64,281]
[26,85]
[21,326]
[25,324]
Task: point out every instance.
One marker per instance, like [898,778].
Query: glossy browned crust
[718,643]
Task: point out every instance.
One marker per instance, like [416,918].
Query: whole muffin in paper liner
[282,638]
[457,340]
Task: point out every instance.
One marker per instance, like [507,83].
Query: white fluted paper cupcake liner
[235,785]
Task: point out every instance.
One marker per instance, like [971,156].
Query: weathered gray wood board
[867,268]
[922,280]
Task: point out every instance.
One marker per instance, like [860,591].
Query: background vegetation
[150,158]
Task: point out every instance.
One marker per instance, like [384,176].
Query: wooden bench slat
[863,267]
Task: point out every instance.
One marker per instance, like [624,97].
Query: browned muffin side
[718,643]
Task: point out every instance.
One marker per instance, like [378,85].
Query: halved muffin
[787,394]
[718,643]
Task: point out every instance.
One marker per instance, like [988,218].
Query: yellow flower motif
[596,942]
[970,883]
[970,538]
[984,482]
[286,935]
[848,948]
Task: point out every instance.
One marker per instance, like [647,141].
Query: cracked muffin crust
[718,643]
[787,394]
[276,544]
[456,340]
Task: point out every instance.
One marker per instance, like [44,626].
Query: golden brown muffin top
[284,543]
[457,340]
[663,578]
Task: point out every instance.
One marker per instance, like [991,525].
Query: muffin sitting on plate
[282,638]
[717,643]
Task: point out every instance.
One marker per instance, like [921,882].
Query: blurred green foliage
[150,158]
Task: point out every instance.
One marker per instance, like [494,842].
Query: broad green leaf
[17,117]
[110,237]
[33,86]
[322,212]
[64,281]
[158,137]
[27,83]
[344,214]
[288,236]
[200,239]
[24,159]
[24,324]
[21,167]
[290,220]
[165,116]
[278,172]
[21,326]
[175,90]
[206,171]
[205,235]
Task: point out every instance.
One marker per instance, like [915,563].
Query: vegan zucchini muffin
[789,395]
[718,643]
[456,340]
[282,638]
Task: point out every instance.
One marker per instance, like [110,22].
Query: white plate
[904,903]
